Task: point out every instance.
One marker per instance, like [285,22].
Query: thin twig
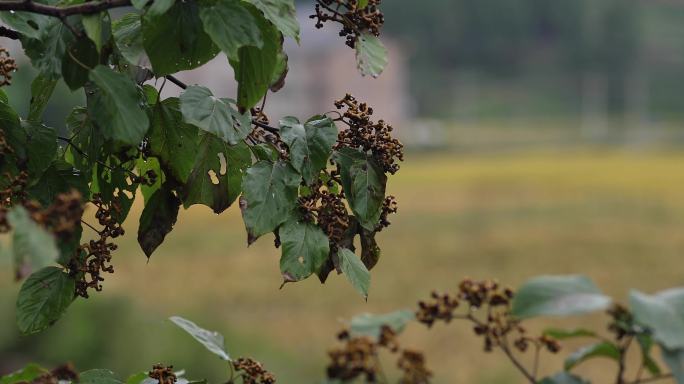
[175,80]
[518,364]
[61,12]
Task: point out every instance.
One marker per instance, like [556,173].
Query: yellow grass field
[615,216]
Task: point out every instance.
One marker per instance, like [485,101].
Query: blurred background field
[542,138]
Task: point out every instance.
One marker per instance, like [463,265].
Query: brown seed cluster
[253,372]
[368,136]
[354,19]
[389,207]
[327,209]
[163,374]
[7,66]
[13,193]
[62,217]
[148,178]
[412,364]
[622,322]
[358,358]
[493,300]
[94,257]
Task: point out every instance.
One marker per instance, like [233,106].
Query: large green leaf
[269,195]
[282,14]
[675,361]
[157,219]
[305,248]
[115,106]
[41,90]
[367,324]
[98,376]
[230,26]
[41,147]
[209,113]
[47,50]
[24,375]
[60,177]
[353,268]
[32,246]
[128,37]
[216,176]
[31,25]
[603,349]
[256,67]
[173,141]
[370,251]
[176,41]
[558,296]
[658,314]
[371,55]
[213,341]
[98,28]
[43,298]
[80,56]
[310,144]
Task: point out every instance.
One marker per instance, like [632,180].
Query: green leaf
[660,316]
[269,195]
[98,28]
[214,115]
[43,298]
[60,177]
[356,272]
[563,334]
[304,249]
[46,51]
[213,341]
[157,219]
[563,378]
[230,26]
[128,38]
[41,90]
[645,344]
[79,58]
[310,144]
[216,176]
[364,184]
[138,378]
[674,359]
[115,106]
[255,67]
[558,296]
[282,14]
[159,7]
[3,97]
[362,4]
[371,55]
[32,246]
[98,376]
[41,147]
[25,375]
[371,325]
[31,25]
[603,349]
[142,166]
[172,140]
[176,41]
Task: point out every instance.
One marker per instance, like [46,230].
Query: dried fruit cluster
[253,372]
[326,208]
[354,18]
[163,374]
[7,66]
[497,325]
[370,137]
[13,193]
[94,257]
[62,217]
[359,358]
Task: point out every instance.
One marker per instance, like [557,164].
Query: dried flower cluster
[389,207]
[354,18]
[368,136]
[13,193]
[253,372]
[494,301]
[326,208]
[7,66]
[163,374]
[62,217]
[94,257]
[358,358]
[622,322]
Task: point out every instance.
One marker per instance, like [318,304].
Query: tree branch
[62,12]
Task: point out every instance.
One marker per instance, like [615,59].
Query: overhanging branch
[62,12]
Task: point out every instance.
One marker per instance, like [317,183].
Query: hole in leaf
[212,176]
[224,164]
